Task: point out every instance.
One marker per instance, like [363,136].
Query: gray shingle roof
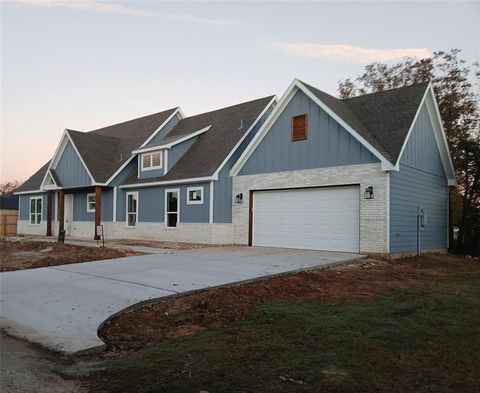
[34,181]
[382,118]
[106,149]
[212,147]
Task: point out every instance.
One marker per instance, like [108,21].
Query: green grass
[413,340]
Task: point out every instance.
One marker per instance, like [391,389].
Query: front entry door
[68,214]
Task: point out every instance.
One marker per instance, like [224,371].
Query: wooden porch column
[49,212]
[61,210]
[98,209]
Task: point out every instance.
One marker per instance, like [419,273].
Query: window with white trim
[91,202]
[194,195]
[151,160]
[36,207]
[172,207]
[132,209]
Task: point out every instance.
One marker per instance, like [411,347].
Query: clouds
[119,9]
[306,50]
[349,53]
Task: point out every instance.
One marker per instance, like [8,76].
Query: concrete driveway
[62,307]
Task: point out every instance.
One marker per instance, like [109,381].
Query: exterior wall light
[368,194]
[239,198]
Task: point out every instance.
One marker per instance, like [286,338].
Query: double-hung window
[132,208]
[91,203]
[36,206]
[151,160]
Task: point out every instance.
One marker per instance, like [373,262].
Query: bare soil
[19,255]
[159,244]
[357,281]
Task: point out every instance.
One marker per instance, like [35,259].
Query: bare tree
[9,187]
[454,83]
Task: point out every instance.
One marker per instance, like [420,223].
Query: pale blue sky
[86,64]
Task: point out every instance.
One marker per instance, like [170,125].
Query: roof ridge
[132,120]
[229,107]
[426,83]
[88,133]
[340,101]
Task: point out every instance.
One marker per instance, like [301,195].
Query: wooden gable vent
[299,128]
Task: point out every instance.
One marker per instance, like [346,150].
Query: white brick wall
[185,232]
[373,212]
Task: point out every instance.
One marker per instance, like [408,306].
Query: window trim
[88,203]
[196,188]
[306,128]
[135,194]
[151,167]
[167,190]
[36,213]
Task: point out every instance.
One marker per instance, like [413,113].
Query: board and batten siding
[420,182]
[151,204]
[328,143]
[174,154]
[177,151]
[80,212]
[24,208]
[70,170]
[165,130]
[222,194]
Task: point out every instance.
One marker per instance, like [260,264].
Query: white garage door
[313,219]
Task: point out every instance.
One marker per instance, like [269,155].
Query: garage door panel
[320,219]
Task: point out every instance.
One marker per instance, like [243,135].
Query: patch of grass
[411,340]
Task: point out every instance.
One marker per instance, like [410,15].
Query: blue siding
[174,155]
[165,130]
[328,143]
[195,213]
[70,169]
[178,151]
[24,209]
[222,206]
[421,182]
[122,176]
[152,172]
[151,204]
[80,205]
[421,151]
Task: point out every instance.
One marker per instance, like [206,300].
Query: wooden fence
[8,222]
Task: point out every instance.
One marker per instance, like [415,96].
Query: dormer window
[151,160]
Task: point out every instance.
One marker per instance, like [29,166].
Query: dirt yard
[360,281]
[160,244]
[23,254]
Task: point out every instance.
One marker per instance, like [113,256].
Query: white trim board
[434,113]
[58,153]
[274,100]
[167,182]
[285,99]
[176,142]
[178,112]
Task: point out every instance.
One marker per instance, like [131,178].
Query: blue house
[367,174]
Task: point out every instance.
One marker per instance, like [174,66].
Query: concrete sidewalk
[62,307]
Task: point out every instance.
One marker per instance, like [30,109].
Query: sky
[87,64]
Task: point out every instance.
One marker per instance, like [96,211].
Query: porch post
[98,209]
[49,212]
[61,210]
